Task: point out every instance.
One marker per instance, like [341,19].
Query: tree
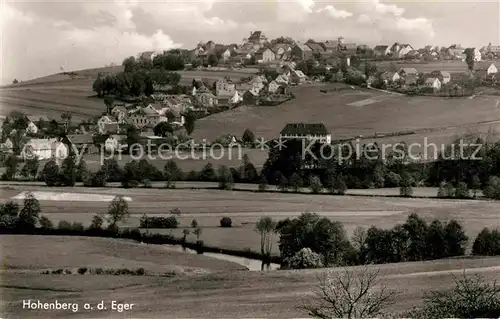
[350,293]
[265,227]
[117,211]
[163,129]
[171,173]
[262,183]
[189,121]
[282,182]
[247,171]
[455,239]
[29,214]
[469,59]
[305,259]
[30,168]
[66,117]
[15,81]
[207,173]
[50,173]
[11,167]
[492,190]
[96,223]
[109,101]
[129,64]
[296,182]
[68,171]
[406,189]
[315,184]
[194,223]
[248,137]
[226,222]
[81,170]
[197,232]
[185,233]
[212,60]
[475,185]
[132,136]
[46,223]
[461,191]
[471,297]
[225,178]
[339,185]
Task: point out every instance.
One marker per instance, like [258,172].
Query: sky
[44,37]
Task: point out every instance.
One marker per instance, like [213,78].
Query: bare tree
[350,293]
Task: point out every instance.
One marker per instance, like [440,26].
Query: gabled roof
[408,71]
[36,118]
[316,47]
[299,73]
[303,47]
[304,129]
[482,65]
[41,143]
[80,138]
[380,48]
[387,75]
[430,80]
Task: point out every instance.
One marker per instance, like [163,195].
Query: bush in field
[46,223]
[64,225]
[492,189]
[305,259]
[461,191]
[82,270]
[226,222]
[315,184]
[50,173]
[29,214]
[159,222]
[471,297]
[487,243]
[392,179]
[118,211]
[96,223]
[77,227]
[8,214]
[405,188]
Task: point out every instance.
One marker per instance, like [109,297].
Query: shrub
[147,183]
[46,223]
[492,190]
[462,191]
[140,271]
[57,272]
[82,270]
[305,259]
[392,179]
[471,297]
[97,222]
[487,243]
[64,225]
[226,222]
[158,222]
[315,184]
[77,227]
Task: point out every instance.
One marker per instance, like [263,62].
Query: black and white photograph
[249,159]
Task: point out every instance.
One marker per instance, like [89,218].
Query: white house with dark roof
[103,121]
[381,50]
[443,76]
[485,67]
[433,83]
[297,77]
[407,71]
[45,149]
[306,131]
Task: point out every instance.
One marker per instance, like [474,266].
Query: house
[45,149]
[228,99]
[147,55]
[307,131]
[226,54]
[115,143]
[315,47]
[485,67]
[79,142]
[101,123]
[257,37]
[411,79]
[223,86]
[381,50]
[31,128]
[302,52]
[443,76]
[401,50]
[330,46]
[389,77]
[282,79]
[273,87]
[407,71]
[433,83]
[7,146]
[475,53]
[258,83]
[210,45]
[350,48]
[265,55]
[207,99]
[147,116]
[280,49]
[455,51]
[119,112]
[251,97]
[297,77]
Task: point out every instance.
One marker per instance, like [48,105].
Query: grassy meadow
[228,294]
[245,209]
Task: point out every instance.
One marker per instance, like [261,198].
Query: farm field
[245,208]
[347,114]
[454,66]
[240,293]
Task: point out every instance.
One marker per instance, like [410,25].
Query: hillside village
[158,109]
